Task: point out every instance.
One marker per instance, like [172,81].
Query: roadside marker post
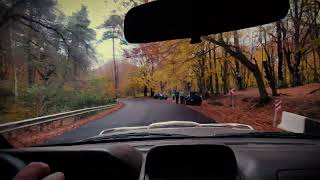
[232,94]
[277,108]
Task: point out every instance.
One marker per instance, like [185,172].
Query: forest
[47,58]
[278,55]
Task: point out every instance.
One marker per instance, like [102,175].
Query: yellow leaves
[175,67]
[109,90]
[135,82]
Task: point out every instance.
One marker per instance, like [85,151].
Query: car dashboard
[182,159]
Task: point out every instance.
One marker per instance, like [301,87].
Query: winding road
[136,112]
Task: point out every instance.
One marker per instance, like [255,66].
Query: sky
[99,10]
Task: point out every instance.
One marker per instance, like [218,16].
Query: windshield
[67,73]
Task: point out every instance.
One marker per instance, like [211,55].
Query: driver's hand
[38,171]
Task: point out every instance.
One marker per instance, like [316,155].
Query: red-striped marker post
[277,108]
[232,93]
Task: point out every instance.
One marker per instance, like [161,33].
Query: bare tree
[269,63]
[296,32]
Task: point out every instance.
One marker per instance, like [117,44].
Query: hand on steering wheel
[36,171]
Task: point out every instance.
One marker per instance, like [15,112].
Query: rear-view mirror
[175,19]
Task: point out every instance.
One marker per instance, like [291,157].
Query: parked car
[156,96]
[194,99]
[160,96]
[163,97]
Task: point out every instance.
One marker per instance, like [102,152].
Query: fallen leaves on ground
[25,138]
[248,111]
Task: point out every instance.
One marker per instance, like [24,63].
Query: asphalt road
[137,112]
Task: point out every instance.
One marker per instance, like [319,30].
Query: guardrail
[9,127]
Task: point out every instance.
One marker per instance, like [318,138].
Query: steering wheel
[10,166]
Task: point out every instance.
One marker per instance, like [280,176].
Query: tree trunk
[216,72]
[315,70]
[225,75]
[115,68]
[15,72]
[30,66]
[203,84]
[162,86]
[16,95]
[316,47]
[270,78]
[145,91]
[280,55]
[297,80]
[211,87]
[264,97]
[268,65]
[295,71]
[217,84]
[211,73]
[238,76]
[238,72]
[152,72]
[297,41]
[30,63]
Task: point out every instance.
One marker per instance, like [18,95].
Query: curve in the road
[137,112]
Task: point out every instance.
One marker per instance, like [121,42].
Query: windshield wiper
[122,138]
[135,136]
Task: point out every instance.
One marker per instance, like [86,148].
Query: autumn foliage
[277,55]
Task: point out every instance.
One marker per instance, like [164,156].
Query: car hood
[182,128]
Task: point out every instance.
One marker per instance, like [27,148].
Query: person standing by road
[182,98]
[177,95]
[173,94]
